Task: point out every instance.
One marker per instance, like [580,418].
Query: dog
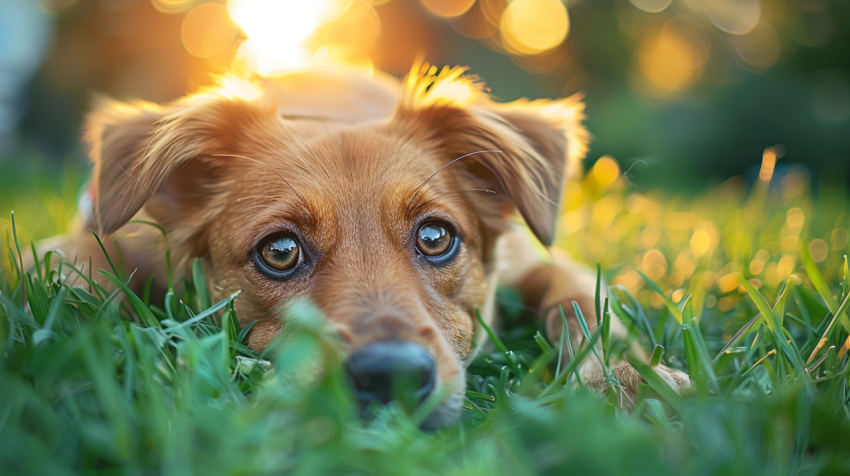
[390,205]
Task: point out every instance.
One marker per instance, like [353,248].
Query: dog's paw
[628,380]
[676,379]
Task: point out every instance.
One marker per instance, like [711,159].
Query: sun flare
[278,31]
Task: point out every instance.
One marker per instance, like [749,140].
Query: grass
[740,287]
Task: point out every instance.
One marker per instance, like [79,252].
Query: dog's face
[374,221]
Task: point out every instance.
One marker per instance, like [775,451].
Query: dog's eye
[280,252]
[434,239]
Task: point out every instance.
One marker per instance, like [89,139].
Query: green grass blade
[244,332]
[206,313]
[825,337]
[746,329]
[21,269]
[561,344]
[639,318]
[573,366]
[143,312]
[566,332]
[658,384]
[38,301]
[36,265]
[582,323]
[108,258]
[200,283]
[779,307]
[151,224]
[606,332]
[598,296]
[760,301]
[657,354]
[671,306]
[542,342]
[497,342]
[820,285]
[480,396]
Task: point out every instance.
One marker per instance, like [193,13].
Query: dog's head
[386,218]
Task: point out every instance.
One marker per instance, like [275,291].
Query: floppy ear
[539,142]
[142,150]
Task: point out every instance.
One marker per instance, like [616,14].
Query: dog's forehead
[340,178]
[344,162]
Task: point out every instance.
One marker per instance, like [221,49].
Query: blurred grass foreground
[744,287]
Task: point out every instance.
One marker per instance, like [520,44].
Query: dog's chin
[447,414]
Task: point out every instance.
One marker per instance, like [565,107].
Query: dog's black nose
[393,370]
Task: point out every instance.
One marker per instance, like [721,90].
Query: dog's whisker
[268,167]
[451,162]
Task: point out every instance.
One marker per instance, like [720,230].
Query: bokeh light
[606,170]
[733,16]
[172,6]
[795,218]
[794,183]
[651,6]
[654,264]
[839,238]
[759,49]
[672,60]
[207,30]
[348,38]
[819,250]
[700,243]
[768,164]
[447,8]
[534,26]
[493,10]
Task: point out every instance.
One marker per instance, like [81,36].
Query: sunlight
[278,30]
[233,87]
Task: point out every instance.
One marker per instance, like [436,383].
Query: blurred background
[721,128]
[682,94]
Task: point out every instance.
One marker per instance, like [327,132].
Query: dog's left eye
[435,240]
[280,253]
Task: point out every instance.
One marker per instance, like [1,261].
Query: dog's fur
[350,166]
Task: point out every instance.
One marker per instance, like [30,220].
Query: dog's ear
[143,150]
[538,143]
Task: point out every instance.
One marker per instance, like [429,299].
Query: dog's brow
[268,167]
[450,163]
[457,191]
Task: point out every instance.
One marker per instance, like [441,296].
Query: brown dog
[389,206]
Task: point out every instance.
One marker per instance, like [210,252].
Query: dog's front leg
[552,286]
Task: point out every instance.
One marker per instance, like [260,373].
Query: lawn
[744,286]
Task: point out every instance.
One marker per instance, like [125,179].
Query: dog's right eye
[436,241]
[280,252]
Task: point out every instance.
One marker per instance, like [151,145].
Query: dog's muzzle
[392,371]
